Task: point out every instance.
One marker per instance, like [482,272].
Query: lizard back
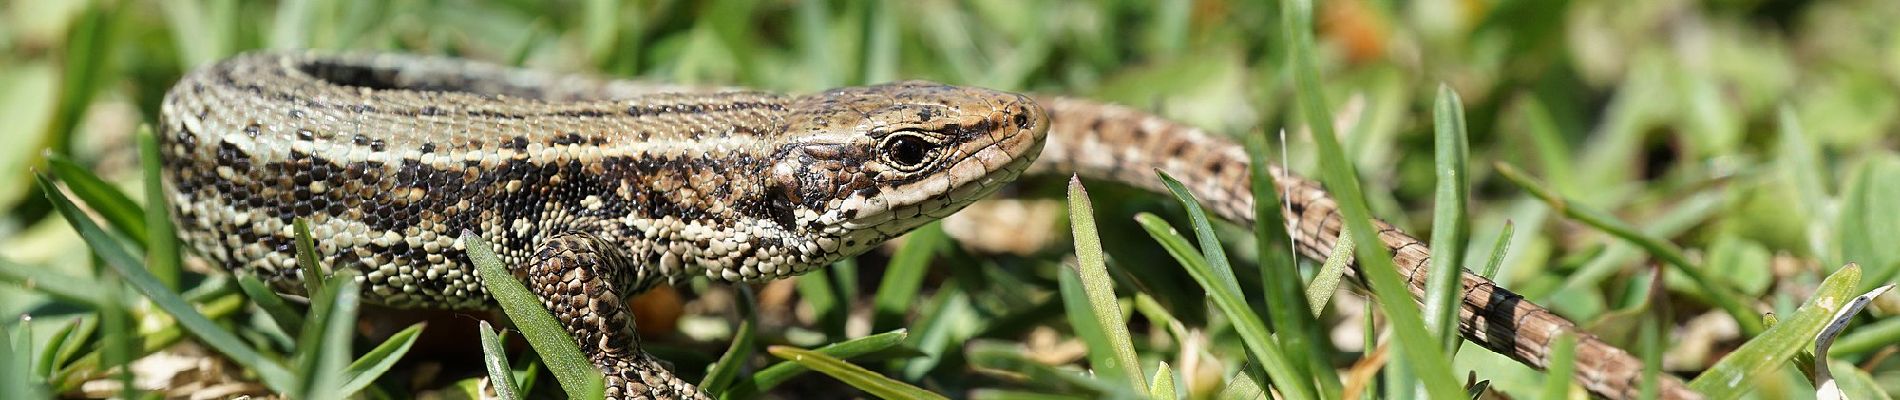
[390,157]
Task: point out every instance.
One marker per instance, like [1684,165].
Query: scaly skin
[598,189]
[1121,144]
[592,190]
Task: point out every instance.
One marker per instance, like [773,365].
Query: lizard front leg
[575,275]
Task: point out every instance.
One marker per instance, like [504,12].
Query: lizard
[594,189]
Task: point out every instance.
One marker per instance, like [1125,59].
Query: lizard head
[869,163]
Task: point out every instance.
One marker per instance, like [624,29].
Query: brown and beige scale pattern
[592,192]
[388,178]
[1122,144]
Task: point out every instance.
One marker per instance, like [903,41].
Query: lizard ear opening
[782,196]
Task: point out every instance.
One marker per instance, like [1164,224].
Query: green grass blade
[496,359]
[828,302]
[1170,21]
[76,372]
[1868,222]
[1669,253]
[1691,211]
[1326,282]
[597,30]
[1734,374]
[561,353]
[15,379]
[118,333]
[273,305]
[1014,359]
[185,20]
[1101,350]
[120,213]
[778,373]
[313,273]
[1211,251]
[74,342]
[1242,387]
[325,343]
[15,346]
[879,43]
[814,44]
[1650,348]
[527,372]
[943,323]
[1498,251]
[1156,313]
[1799,160]
[1163,384]
[1298,331]
[292,28]
[905,275]
[739,352]
[1375,264]
[161,250]
[1253,332]
[529,42]
[1552,151]
[1401,383]
[733,25]
[59,286]
[53,353]
[90,45]
[1451,228]
[377,361]
[1563,364]
[1092,268]
[857,377]
[207,331]
[1000,394]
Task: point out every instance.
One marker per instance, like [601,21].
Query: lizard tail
[1122,144]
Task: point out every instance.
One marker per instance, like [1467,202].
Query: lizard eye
[907,151]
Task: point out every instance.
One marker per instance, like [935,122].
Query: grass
[1744,148]
[1109,344]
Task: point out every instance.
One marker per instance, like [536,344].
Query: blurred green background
[1759,135]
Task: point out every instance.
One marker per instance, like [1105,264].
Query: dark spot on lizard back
[583,113]
[1177,149]
[515,143]
[229,155]
[567,139]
